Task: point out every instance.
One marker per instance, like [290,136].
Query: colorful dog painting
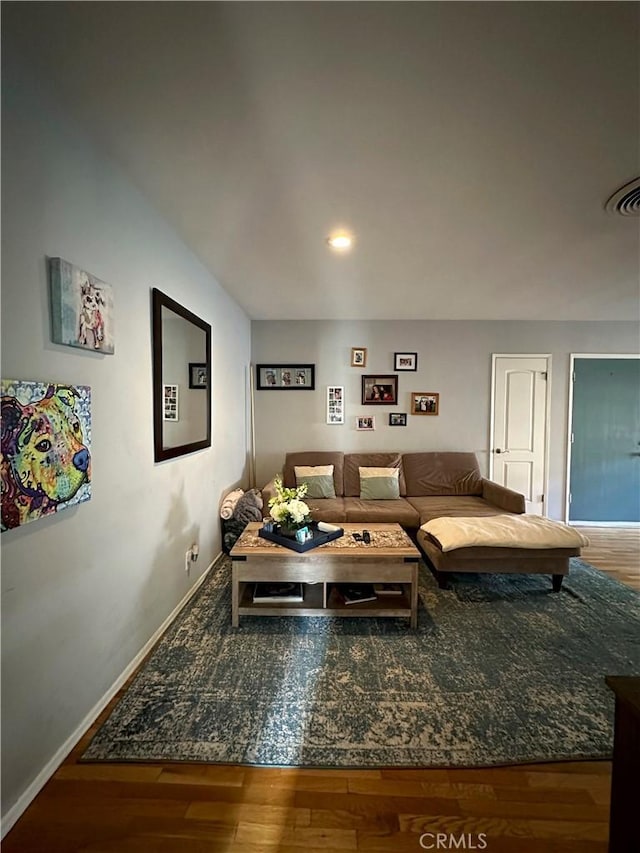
[81,308]
[46,456]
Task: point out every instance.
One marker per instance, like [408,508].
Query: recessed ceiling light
[341,242]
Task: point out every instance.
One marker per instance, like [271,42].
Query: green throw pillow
[319,480]
[379,484]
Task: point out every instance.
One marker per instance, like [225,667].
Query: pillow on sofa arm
[249,507]
[318,479]
[379,484]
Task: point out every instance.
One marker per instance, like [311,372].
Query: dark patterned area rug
[501,670]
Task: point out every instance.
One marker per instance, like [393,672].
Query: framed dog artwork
[46,449]
[81,308]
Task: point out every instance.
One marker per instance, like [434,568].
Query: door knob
[501,451]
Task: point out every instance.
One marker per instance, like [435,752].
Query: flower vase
[288,532]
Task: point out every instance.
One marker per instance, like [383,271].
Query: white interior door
[520,426]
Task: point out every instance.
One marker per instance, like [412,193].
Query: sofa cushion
[462,505]
[327,509]
[354,461]
[441,474]
[314,457]
[318,480]
[382,512]
[379,484]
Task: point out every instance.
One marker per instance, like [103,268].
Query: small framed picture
[81,308]
[405,361]
[380,390]
[398,419]
[169,402]
[198,375]
[425,403]
[285,377]
[358,357]
[366,423]
[335,404]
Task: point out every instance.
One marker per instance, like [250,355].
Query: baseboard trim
[630,524]
[16,811]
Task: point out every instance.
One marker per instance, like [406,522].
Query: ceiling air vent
[626,200]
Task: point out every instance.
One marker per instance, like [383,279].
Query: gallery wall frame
[397,419]
[335,404]
[379,389]
[198,376]
[358,356]
[170,410]
[365,423]
[405,361]
[425,403]
[285,377]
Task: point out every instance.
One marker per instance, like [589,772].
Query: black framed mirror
[181,344]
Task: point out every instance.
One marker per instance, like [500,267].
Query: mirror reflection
[182,366]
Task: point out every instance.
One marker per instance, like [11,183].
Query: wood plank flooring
[616,551]
[193,808]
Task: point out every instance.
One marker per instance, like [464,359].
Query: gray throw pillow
[319,480]
[379,484]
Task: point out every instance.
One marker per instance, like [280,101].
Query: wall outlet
[190,557]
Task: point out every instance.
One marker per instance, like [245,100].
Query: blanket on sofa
[503,531]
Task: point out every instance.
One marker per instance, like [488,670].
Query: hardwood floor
[616,551]
[191,808]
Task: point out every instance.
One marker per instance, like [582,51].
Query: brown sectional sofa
[431,485]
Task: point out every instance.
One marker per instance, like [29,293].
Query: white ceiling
[470,146]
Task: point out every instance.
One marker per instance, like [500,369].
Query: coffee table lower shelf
[322,599]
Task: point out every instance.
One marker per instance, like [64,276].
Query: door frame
[547,425]
[572,358]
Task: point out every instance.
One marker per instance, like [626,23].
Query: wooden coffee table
[390,558]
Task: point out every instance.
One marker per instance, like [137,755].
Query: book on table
[278,593]
[388,588]
[356,593]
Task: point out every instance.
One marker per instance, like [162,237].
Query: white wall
[454,359]
[84,590]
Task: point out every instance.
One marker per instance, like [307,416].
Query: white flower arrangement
[287,507]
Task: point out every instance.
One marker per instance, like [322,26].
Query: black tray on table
[319,537]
